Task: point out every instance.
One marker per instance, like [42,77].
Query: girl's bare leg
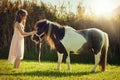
[17,62]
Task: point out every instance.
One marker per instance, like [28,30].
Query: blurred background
[79,14]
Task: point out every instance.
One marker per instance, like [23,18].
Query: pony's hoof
[58,69]
[93,71]
[105,70]
[69,69]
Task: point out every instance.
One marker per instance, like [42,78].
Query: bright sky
[98,7]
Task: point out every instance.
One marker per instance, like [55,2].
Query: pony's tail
[103,58]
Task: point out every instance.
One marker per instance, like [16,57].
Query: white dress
[17,44]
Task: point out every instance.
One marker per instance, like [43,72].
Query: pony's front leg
[68,61]
[60,57]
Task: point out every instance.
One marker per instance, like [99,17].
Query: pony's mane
[56,24]
[40,21]
[50,42]
[57,28]
[49,39]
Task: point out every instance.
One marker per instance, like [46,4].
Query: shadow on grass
[51,73]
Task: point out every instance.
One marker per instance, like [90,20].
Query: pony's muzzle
[35,39]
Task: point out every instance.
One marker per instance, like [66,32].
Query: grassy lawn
[32,70]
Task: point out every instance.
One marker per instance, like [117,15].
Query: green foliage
[48,11]
[32,70]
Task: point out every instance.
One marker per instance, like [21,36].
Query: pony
[67,40]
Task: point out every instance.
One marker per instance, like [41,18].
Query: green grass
[32,70]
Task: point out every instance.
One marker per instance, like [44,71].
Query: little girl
[16,52]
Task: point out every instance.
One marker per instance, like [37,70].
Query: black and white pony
[67,40]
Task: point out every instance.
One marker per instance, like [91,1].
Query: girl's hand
[34,32]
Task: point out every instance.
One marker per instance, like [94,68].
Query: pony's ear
[40,24]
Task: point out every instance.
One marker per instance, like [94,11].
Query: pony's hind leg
[97,60]
[60,57]
[68,61]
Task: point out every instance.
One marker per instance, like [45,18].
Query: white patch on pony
[72,40]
